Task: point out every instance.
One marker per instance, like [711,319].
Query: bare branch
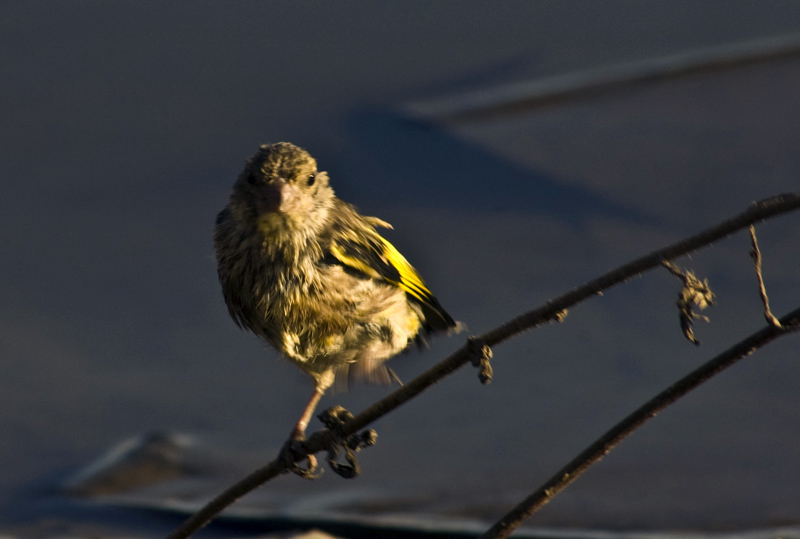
[553,310]
[227,498]
[605,443]
[755,253]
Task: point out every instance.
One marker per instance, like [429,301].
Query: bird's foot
[334,418]
[293,453]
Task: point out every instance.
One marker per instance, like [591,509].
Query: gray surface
[123,126]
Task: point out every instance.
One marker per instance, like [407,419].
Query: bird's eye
[251,178]
[311,179]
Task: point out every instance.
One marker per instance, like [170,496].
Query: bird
[308,274]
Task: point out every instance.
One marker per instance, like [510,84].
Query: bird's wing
[371,254]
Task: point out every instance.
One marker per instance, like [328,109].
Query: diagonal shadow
[398,160]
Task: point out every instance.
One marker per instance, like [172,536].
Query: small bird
[307,273]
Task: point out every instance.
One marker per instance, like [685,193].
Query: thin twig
[596,451]
[755,253]
[758,211]
[552,310]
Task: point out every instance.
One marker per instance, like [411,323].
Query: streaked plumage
[305,272]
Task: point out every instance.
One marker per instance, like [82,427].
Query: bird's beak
[279,197]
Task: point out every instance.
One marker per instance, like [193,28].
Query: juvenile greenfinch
[311,276]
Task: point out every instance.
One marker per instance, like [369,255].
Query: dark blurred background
[123,125]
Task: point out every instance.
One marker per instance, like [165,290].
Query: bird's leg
[289,455]
[299,430]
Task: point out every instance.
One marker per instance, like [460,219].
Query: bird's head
[282,190]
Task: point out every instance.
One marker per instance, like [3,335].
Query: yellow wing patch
[376,257]
[354,262]
[410,281]
[372,255]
